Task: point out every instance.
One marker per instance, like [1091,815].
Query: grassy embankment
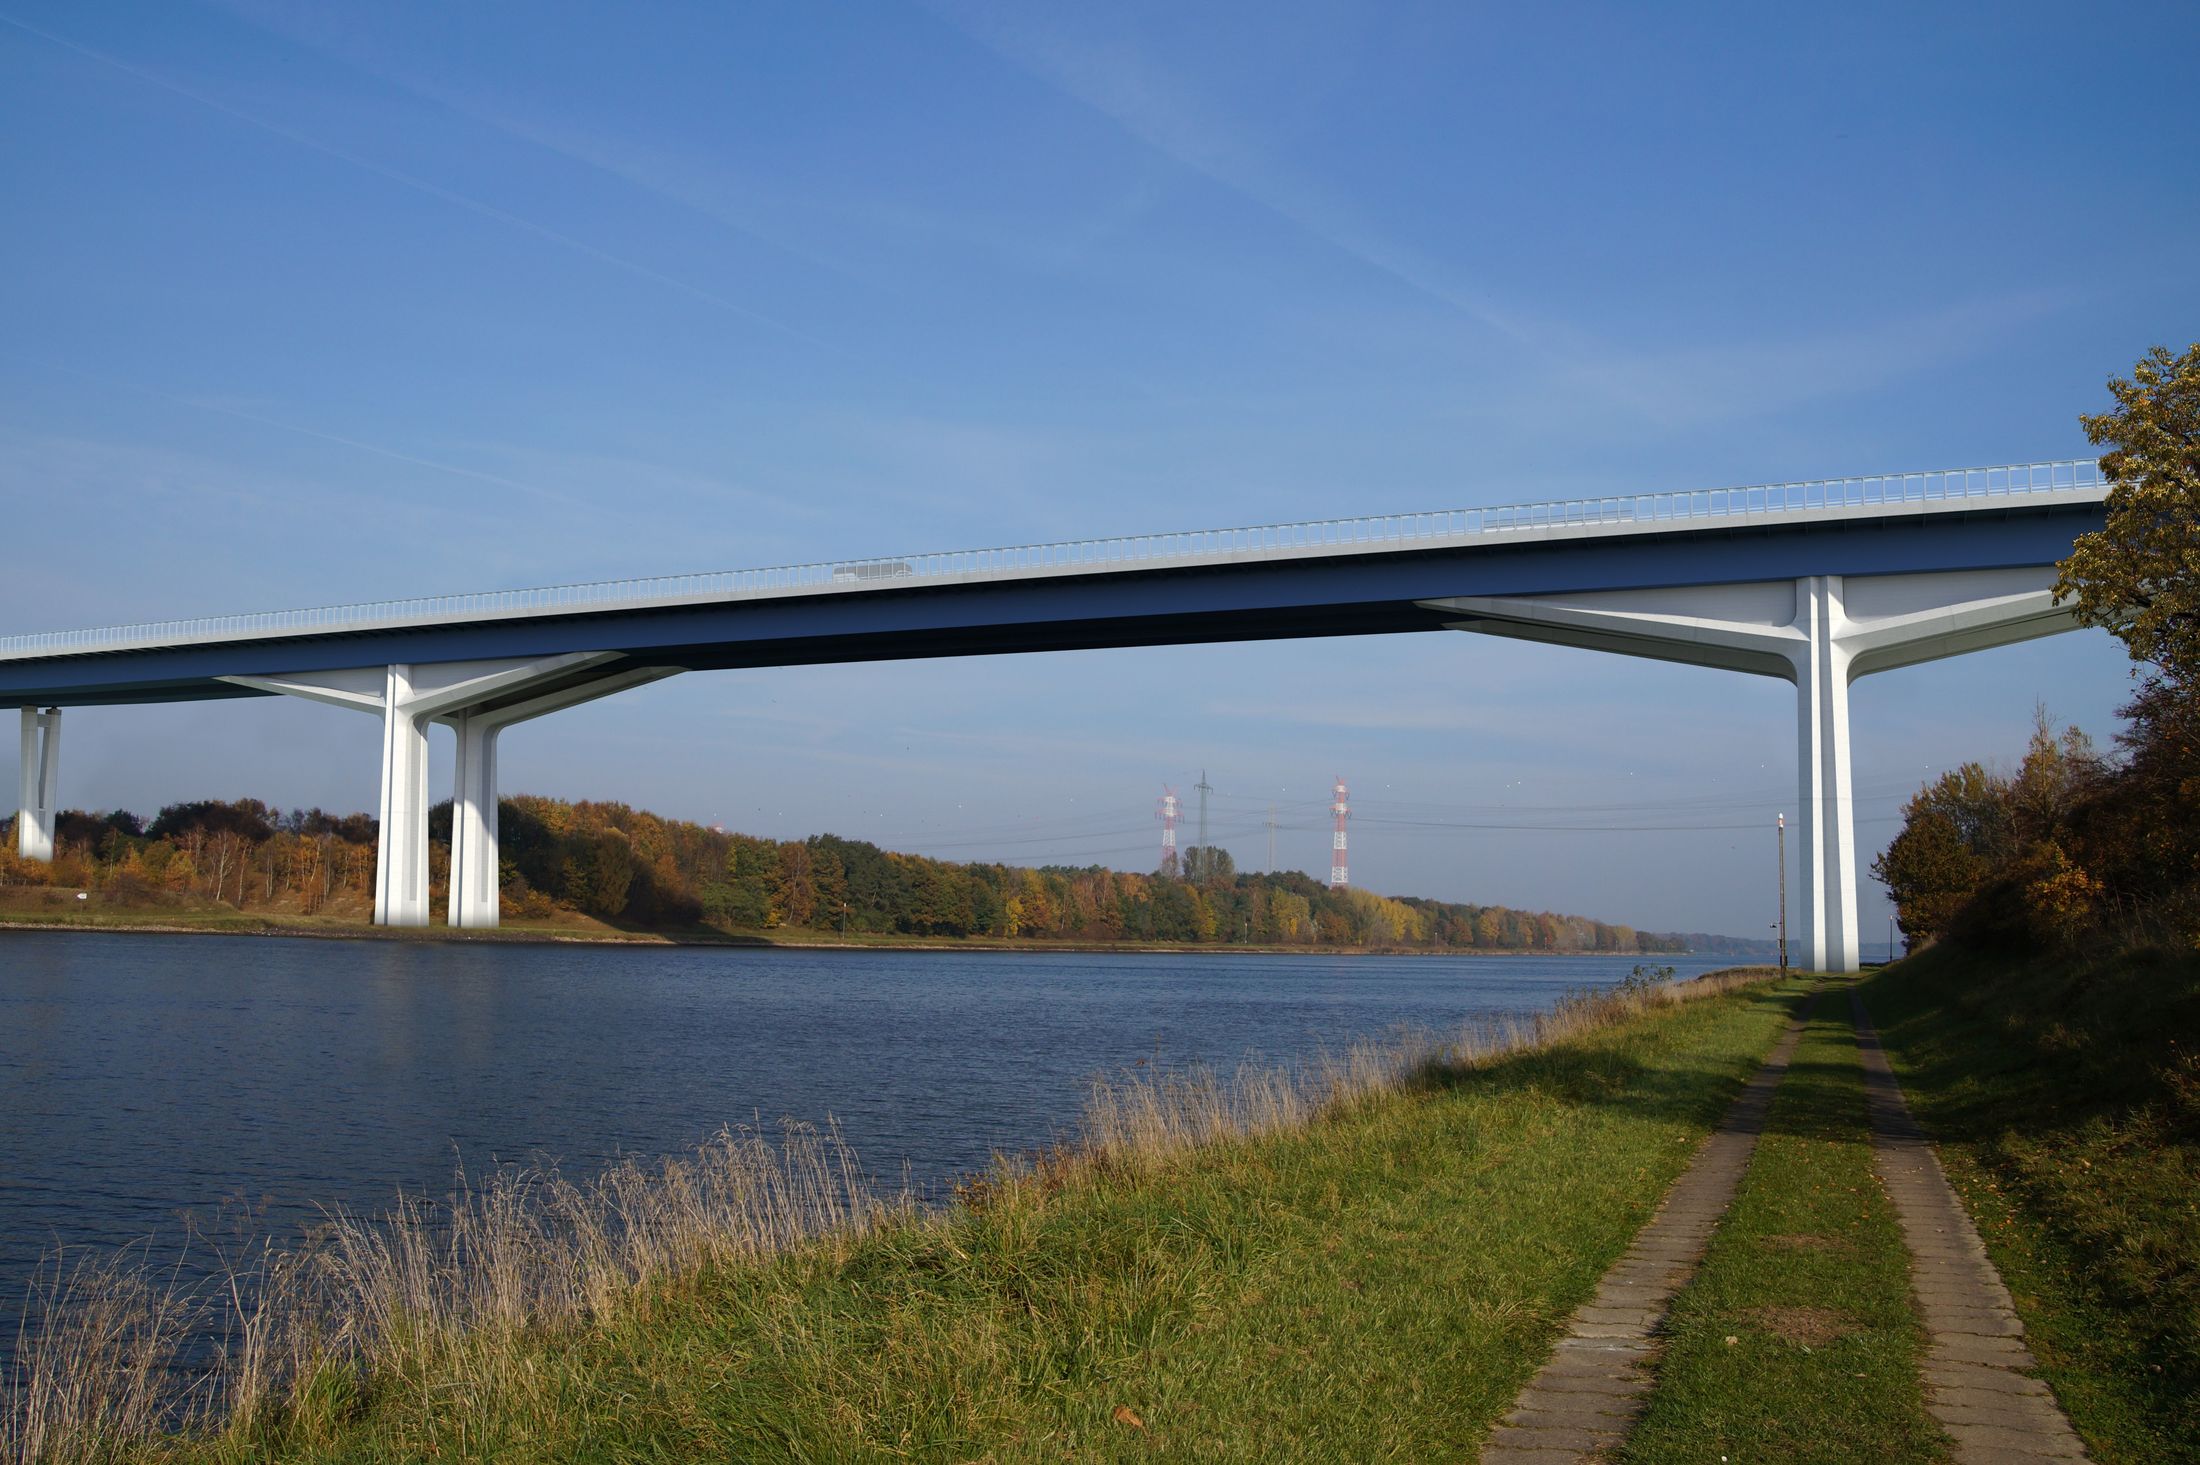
[2065,1094]
[1221,1273]
[1797,1340]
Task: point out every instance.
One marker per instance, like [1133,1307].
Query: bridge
[1816,583]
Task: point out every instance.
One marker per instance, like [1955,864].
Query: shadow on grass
[1596,1074]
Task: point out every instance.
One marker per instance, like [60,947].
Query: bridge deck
[1330,577]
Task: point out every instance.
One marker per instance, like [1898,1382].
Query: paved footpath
[1977,1369]
[1585,1400]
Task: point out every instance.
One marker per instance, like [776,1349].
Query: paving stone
[1952,1296]
[1535,1400]
[1639,1318]
[1983,1443]
[1577,1365]
[1550,1410]
[1976,1322]
[1629,1295]
[1580,1383]
[1978,1377]
[1636,1346]
[1999,1411]
[1561,1437]
[1974,1348]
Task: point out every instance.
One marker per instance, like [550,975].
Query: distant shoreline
[757,941]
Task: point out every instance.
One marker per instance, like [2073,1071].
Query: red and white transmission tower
[1339,876]
[1168,811]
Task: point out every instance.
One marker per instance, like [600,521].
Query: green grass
[1797,1339]
[1376,1286]
[2066,1097]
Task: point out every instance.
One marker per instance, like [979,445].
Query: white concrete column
[1823,771]
[475,884]
[401,859]
[26,802]
[41,783]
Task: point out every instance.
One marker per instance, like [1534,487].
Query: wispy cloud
[678,175]
[1121,83]
[1564,362]
[360,445]
[417,184]
[1698,385]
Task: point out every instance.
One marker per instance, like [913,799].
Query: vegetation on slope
[607,862]
[2065,1094]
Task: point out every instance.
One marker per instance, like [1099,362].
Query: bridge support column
[476,879]
[1824,774]
[1820,632]
[41,783]
[477,699]
[401,852]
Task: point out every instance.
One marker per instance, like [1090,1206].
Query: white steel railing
[1369,533]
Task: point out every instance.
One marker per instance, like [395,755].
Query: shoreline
[759,942]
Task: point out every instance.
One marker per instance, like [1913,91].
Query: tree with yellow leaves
[2139,576]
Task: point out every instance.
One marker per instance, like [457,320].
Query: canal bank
[1435,1263]
[1379,1278]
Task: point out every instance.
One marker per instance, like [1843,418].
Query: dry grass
[115,1355]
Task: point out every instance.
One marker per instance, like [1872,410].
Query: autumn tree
[1955,832]
[2139,575]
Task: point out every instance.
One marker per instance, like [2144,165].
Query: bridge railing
[1267,541]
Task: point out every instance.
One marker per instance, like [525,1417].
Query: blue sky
[325,303]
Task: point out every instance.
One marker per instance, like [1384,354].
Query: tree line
[633,868]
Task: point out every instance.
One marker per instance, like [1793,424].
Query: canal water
[151,1082]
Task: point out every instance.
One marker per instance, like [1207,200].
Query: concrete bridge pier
[1820,632]
[477,699]
[41,783]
